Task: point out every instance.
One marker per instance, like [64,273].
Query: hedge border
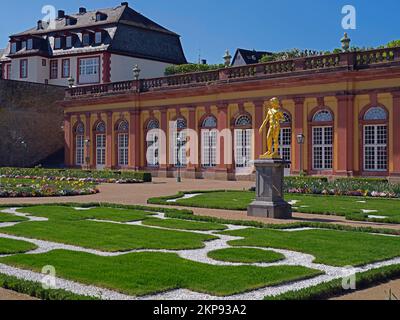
[351,216]
[334,288]
[35,289]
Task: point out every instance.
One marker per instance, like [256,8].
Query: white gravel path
[198,255]
[186,196]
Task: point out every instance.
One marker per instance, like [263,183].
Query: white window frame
[57,43]
[375,146]
[243,148]
[285,144]
[123,149]
[23,68]
[79,150]
[153,146]
[209,148]
[101,143]
[29,44]
[325,148]
[65,68]
[98,37]
[89,70]
[68,42]
[86,36]
[13,48]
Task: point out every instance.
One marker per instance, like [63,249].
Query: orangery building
[346,106]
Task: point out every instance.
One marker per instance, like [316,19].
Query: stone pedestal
[269,201]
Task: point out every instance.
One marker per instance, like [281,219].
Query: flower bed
[344,187]
[95,176]
[25,188]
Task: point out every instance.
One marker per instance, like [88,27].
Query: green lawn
[352,207]
[70,226]
[5,217]
[9,246]
[184,224]
[149,273]
[331,247]
[244,255]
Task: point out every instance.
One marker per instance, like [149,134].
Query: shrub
[94,176]
[190,68]
[36,290]
[335,288]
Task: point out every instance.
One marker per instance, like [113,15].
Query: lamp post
[87,158]
[300,140]
[24,146]
[178,160]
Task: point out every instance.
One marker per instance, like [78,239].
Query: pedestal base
[273,210]
[269,201]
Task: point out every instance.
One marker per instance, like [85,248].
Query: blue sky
[210,27]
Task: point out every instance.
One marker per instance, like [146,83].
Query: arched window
[243,141]
[285,138]
[375,133]
[322,138]
[179,142]
[123,143]
[100,133]
[323,116]
[153,138]
[209,142]
[243,121]
[79,144]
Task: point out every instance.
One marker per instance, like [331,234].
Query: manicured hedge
[35,289]
[334,288]
[92,175]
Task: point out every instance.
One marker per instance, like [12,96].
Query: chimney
[61,14]
[40,25]
[125,4]
[82,10]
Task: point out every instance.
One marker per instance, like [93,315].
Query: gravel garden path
[137,194]
[199,255]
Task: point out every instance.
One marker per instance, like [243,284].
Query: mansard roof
[126,32]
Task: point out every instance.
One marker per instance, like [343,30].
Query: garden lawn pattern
[69,226]
[10,218]
[246,255]
[354,208]
[119,257]
[9,246]
[141,274]
[330,247]
[183,225]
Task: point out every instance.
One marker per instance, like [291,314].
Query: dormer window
[98,37]
[70,21]
[86,39]
[57,43]
[13,47]
[100,16]
[68,41]
[29,44]
[23,44]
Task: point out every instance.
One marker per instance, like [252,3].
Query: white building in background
[93,47]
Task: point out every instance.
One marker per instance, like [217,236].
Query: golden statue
[274,118]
